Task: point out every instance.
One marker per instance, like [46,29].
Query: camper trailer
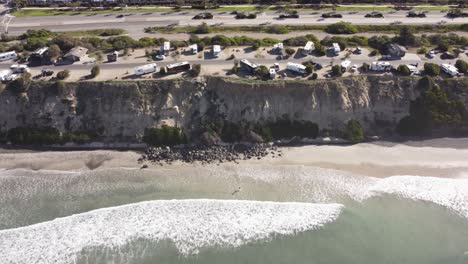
[249,66]
[111,57]
[296,67]
[194,48]
[380,66]
[165,48]
[308,48]
[216,50]
[449,69]
[336,49]
[148,68]
[178,67]
[11,55]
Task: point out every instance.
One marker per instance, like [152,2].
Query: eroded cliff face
[120,111]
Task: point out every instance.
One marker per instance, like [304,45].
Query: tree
[53,53]
[431,69]
[263,72]
[62,75]
[196,69]
[406,36]
[95,71]
[290,51]
[404,70]
[444,45]
[203,28]
[341,28]
[354,131]
[337,70]
[162,70]
[21,84]
[462,66]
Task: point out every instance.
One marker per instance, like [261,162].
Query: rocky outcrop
[120,111]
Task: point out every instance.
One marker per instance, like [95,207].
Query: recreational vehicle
[278,47]
[216,50]
[165,48]
[148,68]
[178,67]
[39,55]
[345,65]
[380,66]
[249,66]
[449,69]
[194,48]
[308,48]
[11,55]
[296,67]
[336,49]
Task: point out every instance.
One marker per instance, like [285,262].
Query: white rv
[194,48]
[336,49]
[249,66]
[380,66]
[272,73]
[166,47]
[216,50]
[345,65]
[148,68]
[308,48]
[296,67]
[19,68]
[11,55]
[449,69]
[278,47]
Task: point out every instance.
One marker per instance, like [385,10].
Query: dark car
[374,15]
[203,16]
[47,72]
[416,14]
[332,15]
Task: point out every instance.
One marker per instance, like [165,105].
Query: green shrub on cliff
[21,84]
[44,136]
[462,66]
[353,131]
[404,70]
[164,136]
[341,28]
[434,112]
[95,71]
[62,75]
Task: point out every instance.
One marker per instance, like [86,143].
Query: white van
[11,55]
[148,68]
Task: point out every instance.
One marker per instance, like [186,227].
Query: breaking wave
[189,224]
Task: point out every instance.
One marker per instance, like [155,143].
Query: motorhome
[380,66]
[336,49]
[278,47]
[296,67]
[148,68]
[413,69]
[308,48]
[345,65]
[111,57]
[249,66]
[39,55]
[19,68]
[165,48]
[178,67]
[11,55]
[6,75]
[449,69]
[194,48]
[216,50]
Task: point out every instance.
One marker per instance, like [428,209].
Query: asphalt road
[134,23]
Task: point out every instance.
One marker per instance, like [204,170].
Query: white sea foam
[190,224]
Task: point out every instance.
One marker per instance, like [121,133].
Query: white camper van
[194,48]
[216,50]
[449,69]
[11,55]
[148,68]
[296,67]
[336,49]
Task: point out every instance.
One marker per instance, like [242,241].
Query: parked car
[159,57]
[374,15]
[203,16]
[354,68]
[416,14]
[430,54]
[358,50]
[332,15]
[47,72]
[448,56]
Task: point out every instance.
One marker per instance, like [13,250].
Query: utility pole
[6,22]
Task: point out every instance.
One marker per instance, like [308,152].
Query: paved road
[135,23]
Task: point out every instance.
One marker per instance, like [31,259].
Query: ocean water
[322,210]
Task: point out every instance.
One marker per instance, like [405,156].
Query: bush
[374,53]
[95,71]
[309,67]
[353,131]
[162,70]
[365,67]
[404,70]
[443,46]
[196,69]
[62,75]
[422,50]
[431,69]
[164,136]
[277,29]
[337,70]
[263,72]
[462,66]
[202,29]
[314,76]
[341,28]
[289,51]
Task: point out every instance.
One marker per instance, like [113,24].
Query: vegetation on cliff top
[42,136]
[434,113]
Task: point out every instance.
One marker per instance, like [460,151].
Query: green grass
[56,12]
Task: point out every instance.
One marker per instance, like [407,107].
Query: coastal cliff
[121,111]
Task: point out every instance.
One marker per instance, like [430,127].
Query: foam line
[190,224]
